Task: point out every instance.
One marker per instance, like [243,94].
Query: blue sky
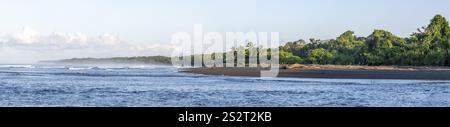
[154,21]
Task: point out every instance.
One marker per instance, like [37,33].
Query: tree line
[429,46]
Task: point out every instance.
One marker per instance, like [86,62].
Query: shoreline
[335,72]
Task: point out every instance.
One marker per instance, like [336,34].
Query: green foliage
[320,56]
[428,47]
[347,41]
[382,48]
[289,58]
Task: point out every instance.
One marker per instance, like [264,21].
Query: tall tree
[437,34]
[382,47]
[320,56]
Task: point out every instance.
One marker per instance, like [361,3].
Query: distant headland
[154,60]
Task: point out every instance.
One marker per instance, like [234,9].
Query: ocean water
[57,85]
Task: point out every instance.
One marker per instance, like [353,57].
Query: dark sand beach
[335,71]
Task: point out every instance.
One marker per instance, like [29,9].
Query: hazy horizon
[32,31]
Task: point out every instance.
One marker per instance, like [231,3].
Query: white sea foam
[17,66]
[78,68]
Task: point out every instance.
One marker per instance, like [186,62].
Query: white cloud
[28,45]
[26,36]
[109,39]
[67,38]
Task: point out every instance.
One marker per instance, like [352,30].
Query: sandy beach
[335,71]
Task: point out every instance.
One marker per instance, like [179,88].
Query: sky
[37,30]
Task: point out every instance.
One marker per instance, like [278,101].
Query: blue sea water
[57,85]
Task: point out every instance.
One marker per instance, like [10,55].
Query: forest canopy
[429,46]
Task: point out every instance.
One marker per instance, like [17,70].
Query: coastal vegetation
[429,46]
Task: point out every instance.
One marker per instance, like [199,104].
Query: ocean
[161,86]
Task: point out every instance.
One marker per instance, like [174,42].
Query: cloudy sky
[33,30]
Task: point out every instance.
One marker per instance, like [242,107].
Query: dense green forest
[429,46]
